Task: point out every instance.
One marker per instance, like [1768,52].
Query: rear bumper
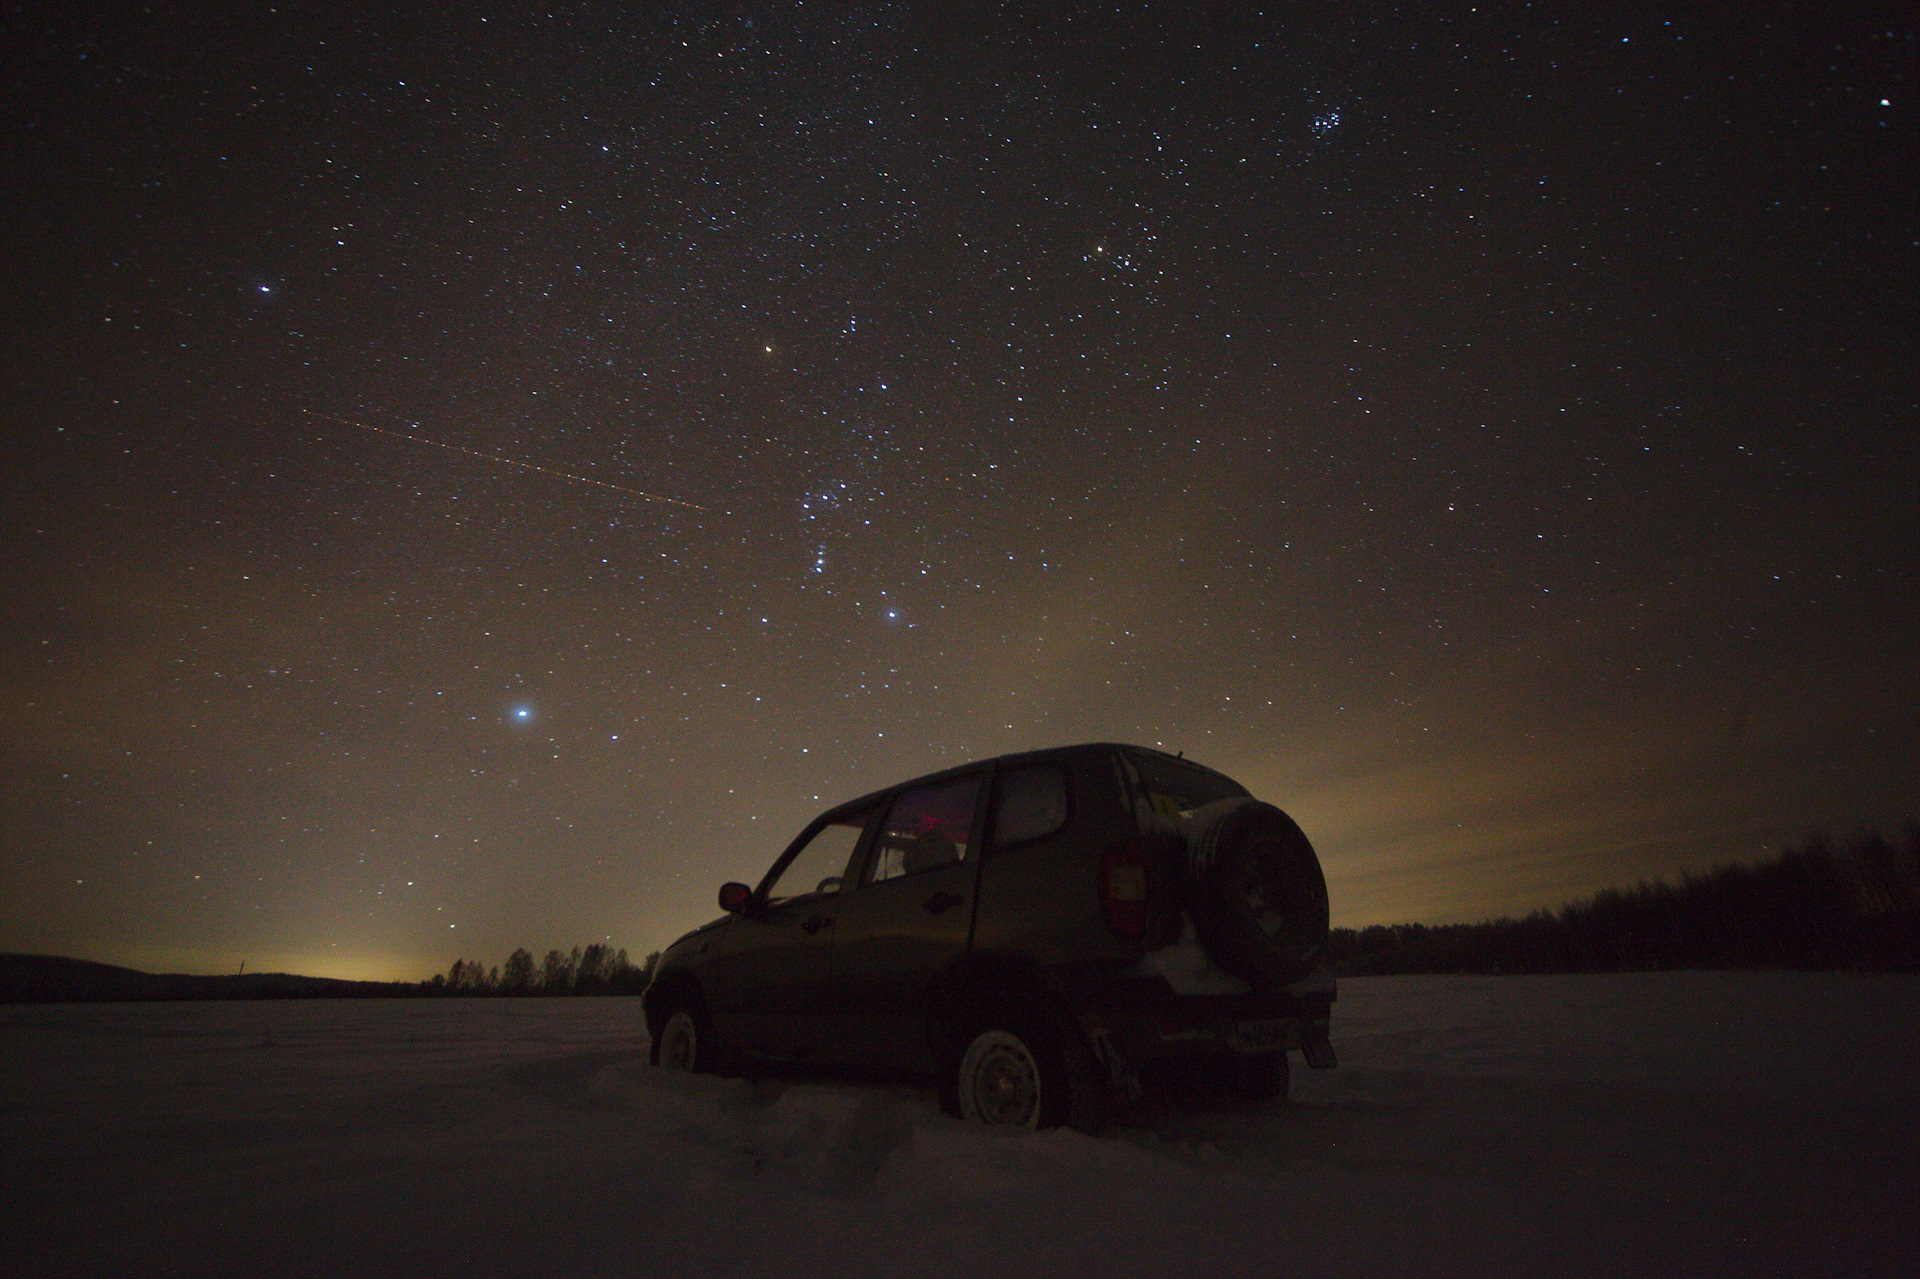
[1136,1021]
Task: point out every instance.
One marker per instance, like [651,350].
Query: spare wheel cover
[1255,891]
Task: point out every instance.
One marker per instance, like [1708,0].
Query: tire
[685,1041]
[1256,892]
[1017,1072]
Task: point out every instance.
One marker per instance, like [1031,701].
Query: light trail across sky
[503,460]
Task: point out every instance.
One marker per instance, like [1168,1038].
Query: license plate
[1265,1034]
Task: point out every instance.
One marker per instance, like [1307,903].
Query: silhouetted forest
[595,970]
[1818,905]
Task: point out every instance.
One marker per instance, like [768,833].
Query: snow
[1684,1123]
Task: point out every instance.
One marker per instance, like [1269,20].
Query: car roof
[1011,759]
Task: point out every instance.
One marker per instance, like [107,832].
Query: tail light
[1123,887]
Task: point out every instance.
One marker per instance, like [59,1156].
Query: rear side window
[1173,787]
[926,828]
[1029,802]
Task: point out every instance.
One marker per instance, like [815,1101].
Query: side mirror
[734,898]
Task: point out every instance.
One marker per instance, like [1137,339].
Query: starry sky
[480,477]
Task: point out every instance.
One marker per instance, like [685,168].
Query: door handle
[815,923]
[940,901]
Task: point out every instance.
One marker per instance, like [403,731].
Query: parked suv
[1040,932]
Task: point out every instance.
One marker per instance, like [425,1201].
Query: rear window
[1175,787]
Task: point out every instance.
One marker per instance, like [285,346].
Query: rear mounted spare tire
[1255,891]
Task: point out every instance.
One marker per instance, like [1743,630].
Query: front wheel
[684,1042]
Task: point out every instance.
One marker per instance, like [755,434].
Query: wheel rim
[1266,899]
[1000,1081]
[679,1042]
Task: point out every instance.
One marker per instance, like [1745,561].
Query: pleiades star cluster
[479,477]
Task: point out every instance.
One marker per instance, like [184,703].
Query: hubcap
[1266,900]
[1001,1081]
[679,1042]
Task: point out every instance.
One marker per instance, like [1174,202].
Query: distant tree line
[592,970]
[1819,905]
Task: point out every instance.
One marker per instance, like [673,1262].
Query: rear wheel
[1002,1081]
[1019,1073]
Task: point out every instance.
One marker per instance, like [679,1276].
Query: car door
[767,983]
[906,922]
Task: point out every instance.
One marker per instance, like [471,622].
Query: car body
[1040,932]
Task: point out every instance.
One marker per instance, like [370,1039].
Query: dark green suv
[1040,932]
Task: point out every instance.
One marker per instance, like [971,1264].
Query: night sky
[479,478]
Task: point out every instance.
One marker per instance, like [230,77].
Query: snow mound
[820,1138]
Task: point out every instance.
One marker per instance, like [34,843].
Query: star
[1151,397]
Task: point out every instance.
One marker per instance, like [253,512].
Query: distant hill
[54,979]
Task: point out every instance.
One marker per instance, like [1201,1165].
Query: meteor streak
[507,461]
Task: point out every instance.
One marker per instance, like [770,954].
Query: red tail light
[1123,887]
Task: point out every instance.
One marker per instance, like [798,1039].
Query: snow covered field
[1664,1124]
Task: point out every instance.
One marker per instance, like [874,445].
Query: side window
[1030,802]
[926,828]
[821,866]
